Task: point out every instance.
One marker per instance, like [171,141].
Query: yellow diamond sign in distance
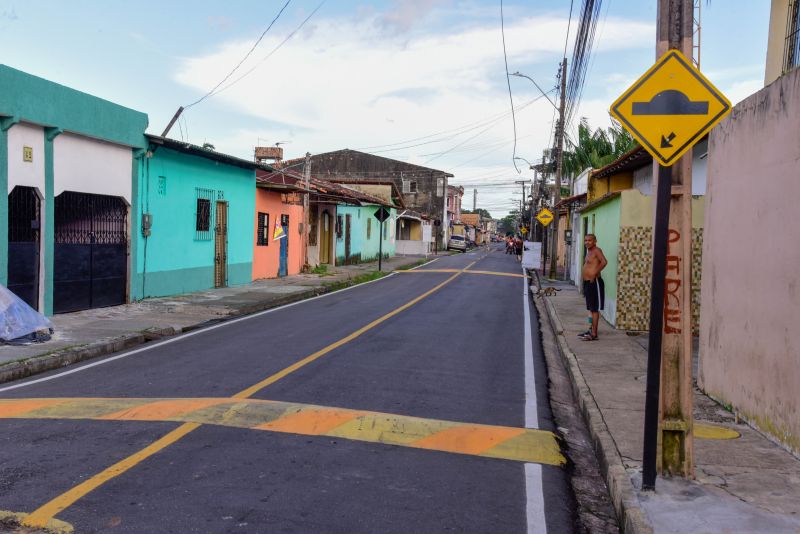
[545,216]
[670,108]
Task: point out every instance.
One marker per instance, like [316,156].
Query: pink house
[279,208]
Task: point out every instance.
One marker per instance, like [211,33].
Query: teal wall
[28,98]
[363,249]
[173,260]
[36,100]
[606,217]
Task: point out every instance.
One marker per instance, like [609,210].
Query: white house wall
[86,165]
[20,172]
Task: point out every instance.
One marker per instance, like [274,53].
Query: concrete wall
[89,166]
[20,172]
[749,352]
[173,260]
[266,258]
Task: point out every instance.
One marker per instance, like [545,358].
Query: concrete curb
[632,518]
[67,356]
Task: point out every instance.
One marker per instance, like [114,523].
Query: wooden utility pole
[522,203]
[559,164]
[672,444]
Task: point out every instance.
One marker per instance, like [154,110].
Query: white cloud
[350,83]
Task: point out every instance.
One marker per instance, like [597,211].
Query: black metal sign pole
[660,236]
[380,249]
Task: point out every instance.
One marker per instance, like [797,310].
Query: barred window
[439,187]
[791,57]
[313,227]
[204,216]
[339,227]
[262,239]
[369,228]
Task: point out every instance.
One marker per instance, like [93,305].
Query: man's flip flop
[587,333]
[589,337]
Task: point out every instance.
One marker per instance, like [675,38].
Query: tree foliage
[596,148]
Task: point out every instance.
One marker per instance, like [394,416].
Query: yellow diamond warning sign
[545,216]
[670,108]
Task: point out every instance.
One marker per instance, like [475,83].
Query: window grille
[339,225]
[262,239]
[204,215]
[412,186]
[791,57]
[439,187]
[369,228]
[162,186]
[313,224]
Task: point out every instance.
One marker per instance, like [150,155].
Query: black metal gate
[90,252]
[23,244]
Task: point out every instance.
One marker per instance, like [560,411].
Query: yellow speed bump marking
[13,520]
[41,516]
[707,431]
[503,442]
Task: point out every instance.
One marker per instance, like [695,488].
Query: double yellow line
[40,517]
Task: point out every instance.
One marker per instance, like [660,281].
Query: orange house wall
[266,259]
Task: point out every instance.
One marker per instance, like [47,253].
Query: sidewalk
[88,334]
[745,484]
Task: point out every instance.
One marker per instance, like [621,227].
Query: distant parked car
[457,242]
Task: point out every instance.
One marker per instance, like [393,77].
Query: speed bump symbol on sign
[545,216]
[670,108]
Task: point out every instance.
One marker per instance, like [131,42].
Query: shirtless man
[593,286]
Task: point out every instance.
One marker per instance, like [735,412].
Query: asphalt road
[385,419]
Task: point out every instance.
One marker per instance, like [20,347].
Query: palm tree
[595,149]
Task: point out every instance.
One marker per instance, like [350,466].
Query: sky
[422,81]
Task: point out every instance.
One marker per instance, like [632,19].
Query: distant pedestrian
[518,248]
[593,286]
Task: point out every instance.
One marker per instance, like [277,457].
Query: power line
[508,82]
[234,82]
[247,55]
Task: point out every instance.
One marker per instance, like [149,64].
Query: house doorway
[347,226]
[325,238]
[221,245]
[90,251]
[24,223]
[283,268]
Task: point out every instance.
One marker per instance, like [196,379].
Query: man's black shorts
[595,294]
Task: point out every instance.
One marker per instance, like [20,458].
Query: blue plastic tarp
[17,319]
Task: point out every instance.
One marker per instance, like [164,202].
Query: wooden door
[325,238]
[221,246]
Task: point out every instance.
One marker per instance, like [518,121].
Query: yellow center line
[493,273]
[41,516]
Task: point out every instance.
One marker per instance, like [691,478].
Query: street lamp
[530,165]
[520,75]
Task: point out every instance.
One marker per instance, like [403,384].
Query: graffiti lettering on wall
[672,287]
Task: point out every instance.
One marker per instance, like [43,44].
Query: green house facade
[195,222]
[68,168]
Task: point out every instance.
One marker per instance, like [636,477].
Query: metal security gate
[90,253]
[23,244]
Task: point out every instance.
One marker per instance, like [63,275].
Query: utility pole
[474,200]
[306,203]
[522,202]
[559,164]
[668,432]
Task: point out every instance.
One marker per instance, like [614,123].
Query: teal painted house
[195,222]
[68,168]
[358,234]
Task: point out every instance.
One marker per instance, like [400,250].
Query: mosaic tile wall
[633,278]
